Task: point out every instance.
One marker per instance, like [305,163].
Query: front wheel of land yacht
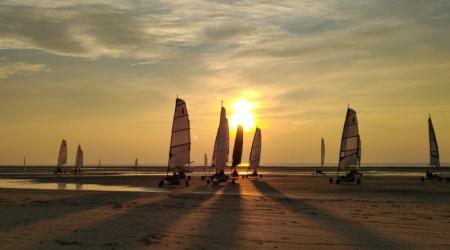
[207,182]
[260,176]
[422,179]
[160,184]
[330,180]
[187,183]
[358,181]
[338,181]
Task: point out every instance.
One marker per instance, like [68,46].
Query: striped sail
[255,152]
[322,154]
[238,143]
[222,142]
[62,156]
[180,142]
[434,150]
[350,153]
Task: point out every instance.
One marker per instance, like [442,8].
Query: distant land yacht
[79,160]
[322,159]
[435,171]
[350,152]
[62,157]
[136,163]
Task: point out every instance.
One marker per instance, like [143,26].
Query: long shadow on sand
[222,222]
[36,210]
[141,226]
[359,236]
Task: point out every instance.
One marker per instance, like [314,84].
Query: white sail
[434,150]
[255,152]
[322,153]
[350,153]
[180,142]
[221,145]
[62,156]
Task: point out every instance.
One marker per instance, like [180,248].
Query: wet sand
[288,212]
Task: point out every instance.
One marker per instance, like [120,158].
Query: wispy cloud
[20,68]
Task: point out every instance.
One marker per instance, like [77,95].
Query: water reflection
[30,184]
[61,186]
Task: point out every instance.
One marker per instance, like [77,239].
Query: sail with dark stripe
[180,142]
[350,152]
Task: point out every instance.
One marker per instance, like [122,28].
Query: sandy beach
[284,212]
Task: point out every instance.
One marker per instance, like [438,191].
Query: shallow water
[30,184]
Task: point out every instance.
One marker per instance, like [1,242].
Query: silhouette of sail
[255,152]
[180,142]
[79,159]
[136,163]
[238,143]
[434,150]
[205,160]
[222,142]
[62,156]
[350,153]
[322,154]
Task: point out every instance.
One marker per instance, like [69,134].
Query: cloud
[20,68]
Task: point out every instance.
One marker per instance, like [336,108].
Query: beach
[275,212]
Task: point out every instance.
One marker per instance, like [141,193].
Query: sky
[105,74]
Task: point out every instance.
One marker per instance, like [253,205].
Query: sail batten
[180,141]
[350,152]
[434,149]
[222,142]
[255,152]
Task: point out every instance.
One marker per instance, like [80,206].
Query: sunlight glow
[242,115]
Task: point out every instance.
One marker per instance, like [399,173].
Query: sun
[242,114]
